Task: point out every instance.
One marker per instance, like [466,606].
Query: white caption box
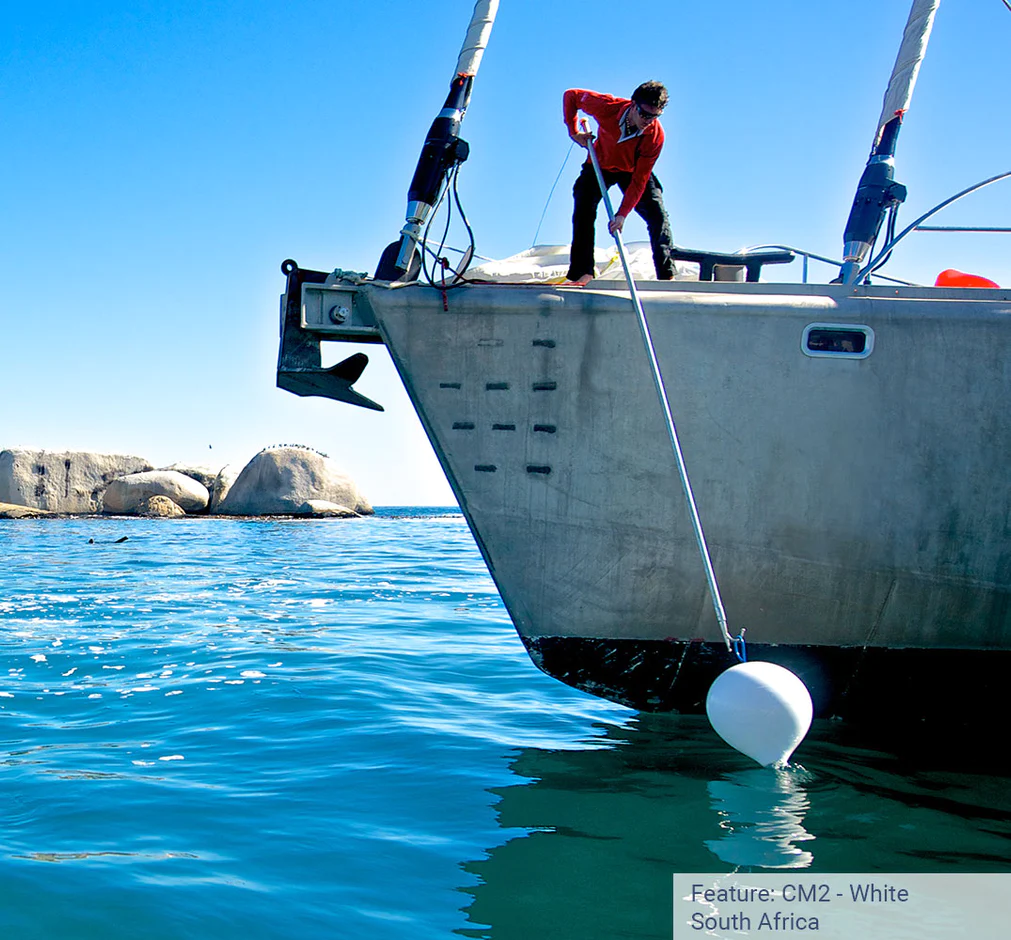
[795,906]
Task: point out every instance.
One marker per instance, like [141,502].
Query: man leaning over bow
[628,141]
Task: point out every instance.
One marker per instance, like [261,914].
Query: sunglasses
[647,115]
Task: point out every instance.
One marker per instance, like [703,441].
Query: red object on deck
[953,278]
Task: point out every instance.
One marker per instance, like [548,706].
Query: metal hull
[851,505]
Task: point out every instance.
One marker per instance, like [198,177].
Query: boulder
[202,473]
[280,480]
[161,506]
[324,509]
[227,475]
[128,494]
[10,511]
[61,481]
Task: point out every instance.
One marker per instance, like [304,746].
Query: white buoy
[761,709]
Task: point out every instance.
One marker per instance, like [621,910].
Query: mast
[877,192]
[443,148]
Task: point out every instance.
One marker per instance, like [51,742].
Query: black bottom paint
[898,687]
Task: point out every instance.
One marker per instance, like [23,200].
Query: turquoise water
[258,729]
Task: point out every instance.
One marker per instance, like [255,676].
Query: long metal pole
[700,538]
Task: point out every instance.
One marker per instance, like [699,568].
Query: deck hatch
[837,341]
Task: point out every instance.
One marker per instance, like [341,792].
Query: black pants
[586,197]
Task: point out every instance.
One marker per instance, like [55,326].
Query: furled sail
[443,149]
[877,192]
[477,37]
[907,63]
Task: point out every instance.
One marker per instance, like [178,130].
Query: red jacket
[635,155]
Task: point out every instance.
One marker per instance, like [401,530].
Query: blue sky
[162,159]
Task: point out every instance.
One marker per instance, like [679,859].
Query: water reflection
[762,817]
[591,837]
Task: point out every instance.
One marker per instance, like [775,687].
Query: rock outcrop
[287,480]
[161,506]
[61,481]
[128,494]
[281,480]
[202,473]
[323,509]
[10,511]
[227,475]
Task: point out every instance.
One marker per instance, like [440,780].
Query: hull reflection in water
[591,838]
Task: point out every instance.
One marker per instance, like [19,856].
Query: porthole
[837,341]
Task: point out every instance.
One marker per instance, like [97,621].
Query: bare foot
[580,282]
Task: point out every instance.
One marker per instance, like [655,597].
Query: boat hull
[853,505]
[897,688]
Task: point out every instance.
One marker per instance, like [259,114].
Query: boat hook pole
[700,538]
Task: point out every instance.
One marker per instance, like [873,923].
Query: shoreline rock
[290,481]
[321,508]
[227,475]
[10,511]
[129,494]
[281,480]
[160,507]
[61,481]
[202,473]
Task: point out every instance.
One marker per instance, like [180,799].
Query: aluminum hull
[854,507]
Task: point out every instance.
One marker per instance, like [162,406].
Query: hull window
[837,341]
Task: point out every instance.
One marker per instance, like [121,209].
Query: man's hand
[582,138]
[616,224]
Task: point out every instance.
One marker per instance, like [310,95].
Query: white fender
[761,709]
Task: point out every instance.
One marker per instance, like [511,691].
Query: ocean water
[249,728]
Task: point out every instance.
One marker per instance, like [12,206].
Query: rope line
[568,153]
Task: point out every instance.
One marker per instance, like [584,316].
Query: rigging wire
[893,214]
[469,254]
[561,169]
[424,239]
[435,277]
[891,243]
